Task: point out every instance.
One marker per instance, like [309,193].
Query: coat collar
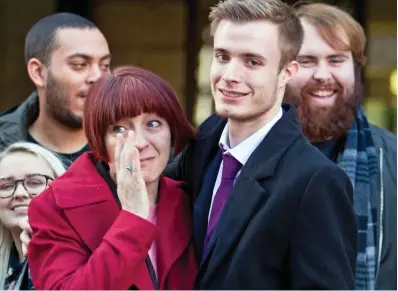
[270,150]
[82,192]
[14,123]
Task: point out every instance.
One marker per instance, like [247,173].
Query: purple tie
[231,167]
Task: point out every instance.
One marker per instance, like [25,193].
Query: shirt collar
[243,151]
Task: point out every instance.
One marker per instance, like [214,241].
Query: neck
[153,191]
[239,130]
[18,243]
[56,137]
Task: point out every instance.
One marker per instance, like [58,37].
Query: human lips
[143,161]
[20,209]
[232,94]
[323,93]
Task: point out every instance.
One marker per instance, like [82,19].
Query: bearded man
[64,54]
[328,92]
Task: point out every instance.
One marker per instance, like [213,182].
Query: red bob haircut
[126,93]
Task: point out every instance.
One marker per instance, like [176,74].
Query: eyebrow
[338,55]
[87,57]
[305,57]
[26,176]
[246,55]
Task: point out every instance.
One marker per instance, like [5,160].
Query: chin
[224,110]
[149,179]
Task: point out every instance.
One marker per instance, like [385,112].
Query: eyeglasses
[34,184]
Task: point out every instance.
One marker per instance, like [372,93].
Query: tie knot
[231,167]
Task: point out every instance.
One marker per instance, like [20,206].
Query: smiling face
[246,82]
[153,141]
[19,165]
[324,87]
[325,74]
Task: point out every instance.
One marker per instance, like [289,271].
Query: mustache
[312,86]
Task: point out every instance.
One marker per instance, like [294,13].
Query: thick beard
[57,104]
[322,123]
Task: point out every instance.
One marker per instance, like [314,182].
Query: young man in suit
[270,210]
[328,93]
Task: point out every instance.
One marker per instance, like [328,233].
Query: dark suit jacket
[289,221]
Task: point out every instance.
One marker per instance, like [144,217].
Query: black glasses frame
[16,182]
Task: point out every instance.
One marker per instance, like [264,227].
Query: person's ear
[287,73]
[37,72]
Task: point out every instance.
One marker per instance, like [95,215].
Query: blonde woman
[26,169]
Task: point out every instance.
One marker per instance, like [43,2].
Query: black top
[103,169]
[18,273]
[331,148]
[67,159]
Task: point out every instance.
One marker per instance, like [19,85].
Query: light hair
[5,235]
[275,11]
[336,26]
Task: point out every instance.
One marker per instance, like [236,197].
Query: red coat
[83,240]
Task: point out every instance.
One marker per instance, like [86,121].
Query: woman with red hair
[113,221]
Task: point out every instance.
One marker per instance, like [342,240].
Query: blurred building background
[171,38]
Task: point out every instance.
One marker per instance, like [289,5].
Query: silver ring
[129,168]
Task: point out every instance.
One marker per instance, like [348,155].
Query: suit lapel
[249,192]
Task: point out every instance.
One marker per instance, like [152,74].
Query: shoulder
[13,123]
[211,122]
[306,165]
[306,156]
[173,186]
[384,138]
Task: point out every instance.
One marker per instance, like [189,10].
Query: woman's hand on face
[25,234]
[131,187]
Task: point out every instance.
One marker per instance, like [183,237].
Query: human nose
[232,72]
[94,74]
[141,140]
[322,72]
[20,191]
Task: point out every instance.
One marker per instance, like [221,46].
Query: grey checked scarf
[359,161]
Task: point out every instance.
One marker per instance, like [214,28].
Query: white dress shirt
[242,151]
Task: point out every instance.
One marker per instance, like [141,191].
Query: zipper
[381,213]
[152,273]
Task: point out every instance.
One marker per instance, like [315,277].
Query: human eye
[253,63]
[35,181]
[118,129]
[105,67]
[306,62]
[154,124]
[337,61]
[78,65]
[7,184]
[222,58]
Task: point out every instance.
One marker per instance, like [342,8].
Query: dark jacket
[14,123]
[386,185]
[289,221]
[83,240]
